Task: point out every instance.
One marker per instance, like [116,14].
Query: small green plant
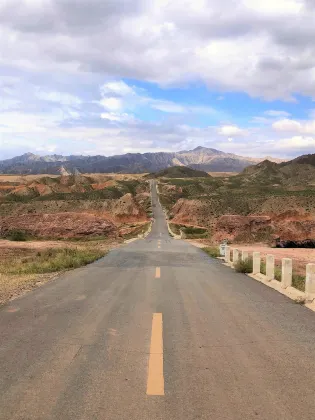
[213,251]
[278,274]
[298,282]
[263,267]
[245,266]
[17,235]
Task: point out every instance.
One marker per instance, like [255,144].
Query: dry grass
[22,269]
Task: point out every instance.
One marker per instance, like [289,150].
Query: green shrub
[17,235]
[298,282]
[245,266]
[263,267]
[213,251]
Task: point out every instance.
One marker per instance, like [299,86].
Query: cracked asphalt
[79,347]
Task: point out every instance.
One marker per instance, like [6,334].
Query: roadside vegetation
[245,266]
[212,251]
[51,260]
[22,269]
[190,232]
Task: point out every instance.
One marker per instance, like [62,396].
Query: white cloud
[116,117]
[119,88]
[232,130]
[58,97]
[292,126]
[246,48]
[277,114]
[112,104]
[167,106]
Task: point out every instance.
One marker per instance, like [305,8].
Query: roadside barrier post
[270,267]
[236,256]
[256,262]
[245,255]
[227,254]
[310,282]
[286,278]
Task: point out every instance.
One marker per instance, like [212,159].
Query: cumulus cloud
[292,126]
[232,131]
[245,48]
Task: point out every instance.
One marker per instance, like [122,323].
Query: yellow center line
[155,383]
[157,272]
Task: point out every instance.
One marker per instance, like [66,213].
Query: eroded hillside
[265,202]
[74,206]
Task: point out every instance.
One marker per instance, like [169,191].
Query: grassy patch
[245,266]
[138,230]
[51,260]
[278,274]
[298,282]
[213,251]
[17,235]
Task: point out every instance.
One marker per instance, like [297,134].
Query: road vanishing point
[156,330]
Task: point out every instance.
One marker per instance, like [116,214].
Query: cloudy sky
[116,76]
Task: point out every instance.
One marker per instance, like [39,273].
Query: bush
[17,235]
[213,251]
[245,266]
[263,267]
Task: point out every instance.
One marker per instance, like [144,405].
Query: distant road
[156,330]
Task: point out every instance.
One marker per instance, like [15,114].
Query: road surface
[156,330]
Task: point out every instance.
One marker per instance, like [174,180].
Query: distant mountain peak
[200,158]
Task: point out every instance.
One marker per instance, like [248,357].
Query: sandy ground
[222,174]
[12,245]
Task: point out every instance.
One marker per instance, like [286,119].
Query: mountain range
[201,158]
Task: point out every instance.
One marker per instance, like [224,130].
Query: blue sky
[97,77]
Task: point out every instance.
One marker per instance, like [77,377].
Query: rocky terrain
[73,206]
[201,158]
[264,203]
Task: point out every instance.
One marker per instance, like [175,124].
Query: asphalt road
[156,332]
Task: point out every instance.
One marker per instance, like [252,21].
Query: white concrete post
[286,278]
[236,256]
[227,254]
[245,255]
[310,282]
[270,267]
[256,262]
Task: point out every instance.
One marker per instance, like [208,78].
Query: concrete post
[256,262]
[227,254]
[236,256]
[245,255]
[270,267]
[286,278]
[310,282]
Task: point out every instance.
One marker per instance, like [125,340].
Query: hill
[200,158]
[299,172]
[180,172]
